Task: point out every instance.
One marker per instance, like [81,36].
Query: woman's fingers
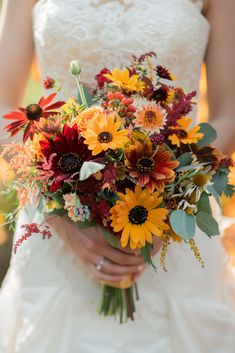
[101,276]
[101,247]
[111,268]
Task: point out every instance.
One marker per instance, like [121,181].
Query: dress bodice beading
[102,33]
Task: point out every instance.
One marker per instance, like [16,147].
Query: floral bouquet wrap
[124,156]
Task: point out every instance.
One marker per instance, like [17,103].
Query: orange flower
[152,169]
[82,119]
[184,134]
[137,216]
[150,117]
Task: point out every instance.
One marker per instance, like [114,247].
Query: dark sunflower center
[145,164]
[70,162]
[150,115]
[33,112]
[105,137]
[182,133]
[138,215]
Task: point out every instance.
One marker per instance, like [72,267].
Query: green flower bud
[75,68]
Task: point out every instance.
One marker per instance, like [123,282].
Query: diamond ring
[100,265]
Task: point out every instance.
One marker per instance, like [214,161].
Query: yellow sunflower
[122,79]
[136,215]
[103,133]
[184,134]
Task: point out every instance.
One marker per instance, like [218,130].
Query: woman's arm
[16,50]
[220,61]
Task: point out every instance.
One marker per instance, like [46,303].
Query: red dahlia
[101,79]
[25,118]
[69,153]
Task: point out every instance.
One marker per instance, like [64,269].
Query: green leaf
[183,224]
[207,224]
[214,193]
[209,133]
[109,237]
[88,95]
[86,224]
[204,204]
[191,167]
[220,181]
[146,252]
[185,159]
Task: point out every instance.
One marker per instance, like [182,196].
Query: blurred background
[32,94]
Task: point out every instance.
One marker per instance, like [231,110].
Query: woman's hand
[104,262]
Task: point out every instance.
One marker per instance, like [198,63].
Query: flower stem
[81,91]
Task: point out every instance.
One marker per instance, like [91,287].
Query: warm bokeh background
[33,92]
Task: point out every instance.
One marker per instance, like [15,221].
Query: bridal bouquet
[125,157]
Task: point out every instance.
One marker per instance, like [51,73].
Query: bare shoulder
[19,3]
[218,6]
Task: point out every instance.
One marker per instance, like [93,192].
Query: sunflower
[151,168]
[84,117]
[164,73]
[136,215]
[150,117]
[103,133]
[123,79]
[184,134]
[25,118]
[68,151]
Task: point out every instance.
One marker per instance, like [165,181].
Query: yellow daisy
[136,215]
[184,134]
[122,79]
[103,133]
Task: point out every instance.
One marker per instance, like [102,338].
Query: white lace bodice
[105,33]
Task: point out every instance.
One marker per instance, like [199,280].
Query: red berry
[110,96]
[104,104]
[131,108]
[125,102]
[118,95]
[130,101]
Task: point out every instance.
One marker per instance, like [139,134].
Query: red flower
[69,153]
[48,82]
[101,79]
[25,118]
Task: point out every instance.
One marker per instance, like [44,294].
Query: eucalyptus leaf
[185,159]
[89,168]
[229,190]
[220,180]
[204,204]
[214,193]
[183,224]
[109,237]
[207,224]
[209,133]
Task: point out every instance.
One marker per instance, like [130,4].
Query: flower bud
[75,68]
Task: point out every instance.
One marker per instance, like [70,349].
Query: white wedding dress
[48,303]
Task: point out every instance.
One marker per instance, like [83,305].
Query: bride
[49,298]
